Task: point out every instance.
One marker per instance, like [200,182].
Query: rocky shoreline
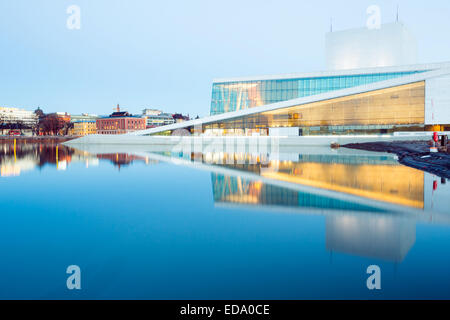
[415,154]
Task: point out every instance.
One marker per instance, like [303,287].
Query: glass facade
[234,96]
[374,111]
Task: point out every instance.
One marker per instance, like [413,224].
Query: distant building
[120,122]
[17,118]
[60,115]
[156,118]
[390,45]
[83,124]
[151,112]
[84,128]
[83,117]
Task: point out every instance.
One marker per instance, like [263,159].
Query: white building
[18,116]
[157,118]
[382,100]
[390,45]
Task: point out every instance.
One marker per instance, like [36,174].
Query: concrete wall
[237,141]
[437,100]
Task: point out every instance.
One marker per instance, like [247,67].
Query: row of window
[234,96]
[319,81]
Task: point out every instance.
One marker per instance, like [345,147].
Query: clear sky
[165,54]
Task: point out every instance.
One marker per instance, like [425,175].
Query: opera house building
[377,100]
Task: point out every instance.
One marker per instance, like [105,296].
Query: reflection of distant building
[11,168]
[61,165]
[26,156]
[385,237]
[121,159]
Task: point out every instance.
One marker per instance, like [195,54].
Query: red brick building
[120,123]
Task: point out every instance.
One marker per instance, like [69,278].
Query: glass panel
[402,105]
[234,96]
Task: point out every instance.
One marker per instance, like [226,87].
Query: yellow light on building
[84,128]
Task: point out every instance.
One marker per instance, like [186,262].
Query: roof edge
[330,73]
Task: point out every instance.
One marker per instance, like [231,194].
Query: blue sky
[164,54]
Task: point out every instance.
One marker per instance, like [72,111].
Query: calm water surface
[144,223]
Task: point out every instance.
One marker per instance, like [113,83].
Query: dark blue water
[142,228]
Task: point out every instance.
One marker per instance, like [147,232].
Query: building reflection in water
[228,189]
[351,227]
[378,178]
[123,159]
[386,237]
[371,203]
[357,193]
[20,157]
[16,158]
